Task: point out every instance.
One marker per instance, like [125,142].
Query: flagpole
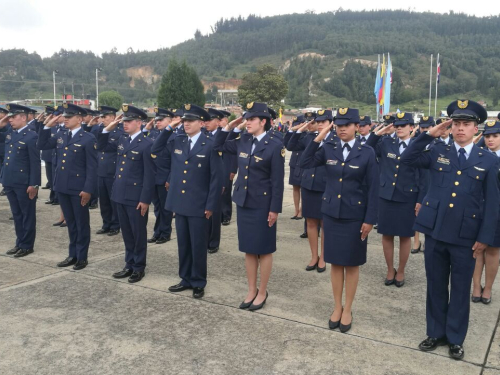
[376,97]
[436,101]
[430,88]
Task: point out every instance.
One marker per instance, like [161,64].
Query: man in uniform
[194,194]
[3,133]
[230,168]
[21,177]
[133,187]
[458,217]
[365,126]
[75,179]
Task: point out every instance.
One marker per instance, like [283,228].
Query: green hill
[328,59]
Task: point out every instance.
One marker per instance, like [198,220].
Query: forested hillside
[328,59]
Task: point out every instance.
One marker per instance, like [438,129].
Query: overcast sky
[46,26]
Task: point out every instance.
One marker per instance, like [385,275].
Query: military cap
[324,114]
[310,116]
[70,110]
[365,120]
[194,112]
[161,113]
[15,109]
[346,116]
[33,110]
[388,119]
[403,119]
[298,120]
[49,109]
[133,113]
[440,120]
[225,113]
[255,109]
[491,127]
[106,110]
[178,112]
[273,113]
[58,110]
[427,121]
[214,113]
[467,110]
[3,110]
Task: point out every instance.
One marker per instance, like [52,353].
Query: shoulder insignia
[8,136]
[95,146]
[153,156]
[238,137]
[220,153]
[283,152]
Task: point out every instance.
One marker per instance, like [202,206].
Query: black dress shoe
[246,305]
[46,187]
[388,282]
[293,217]
[213,250]
[259,306]
[123,273]
[431,343]
[399,284]
[311,268]
[456,351]
[178,288]
[2,193]
[226,222]
[152,239]
[55,203]
[321,269]
[299,218]
[345,328]
[93,206]
[332,324]
[136,277]
[64,224]
[49,201]
[303,235]
[161,240]
[80,265]
[113,232]
[22,253]
[67,262]
[11,218]
[14,250]
[58,224]
[415,251]
[102,231]
[198,292]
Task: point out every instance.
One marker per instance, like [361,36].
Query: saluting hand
[234,123]
[439,130]
[114,124]
[323,133]
[175,123]
[365,229]
[477,137]
[208,214]
[94,121]
[149,125]
[414,131]
[478,248]
[272,218]
[242,125]
[4,121]
[85,198]
[51,121]
[385,130]
[32,192]
[143,207]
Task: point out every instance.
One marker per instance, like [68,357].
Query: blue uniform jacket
[230,162]
[3,134]
[162,169]
[260,181]
[107,155]
[294,159]
[21,167]
[313,178]
[398,182]
[135,169]
[461,206]
[346,196]
[195,175]
[76,167]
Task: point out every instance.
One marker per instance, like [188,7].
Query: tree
[266,85]
[180,85]
[211,95]
[111,98]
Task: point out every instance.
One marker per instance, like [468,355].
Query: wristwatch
[36,186]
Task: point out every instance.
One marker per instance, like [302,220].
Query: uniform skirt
[396,218]
[343,245]
[254,234]
[311,203]
[496,239]
[295,176]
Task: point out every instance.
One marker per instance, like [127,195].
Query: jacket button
[451,205]
[65,148]
[453,195]
[359,202]
[185,172]
[64,154]
[340,179]
[397,166]
[246,188]
[477,177]
[399,157]
[185,162]
[123,162]
[246,177]
[343,164]
[64,161]
[395,175]
[457,183]
[102,158]
[440,169]
[62,168]
[393,184]
[312,175]
[121,169]
[183,191]
[459,172]
[119,176]
[265,193]
[338,196]
[246,167]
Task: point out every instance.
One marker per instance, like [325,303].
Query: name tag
[392,156]
[443,161]
[134,152]
[479,169]
[353,166]
[77,145]
[178,152]
[200,156]
[243,155]
[22,143]
[331,162]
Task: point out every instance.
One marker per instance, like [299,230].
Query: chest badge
[257,159]
[120,147]
[243,155]
[392,156]
[178,152]
[332,162]
[443,160]
[60,141]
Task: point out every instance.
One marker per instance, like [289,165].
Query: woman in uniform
[349,206]
[488,260]
[313,182]
[294,177]
[258,194]
[400,194]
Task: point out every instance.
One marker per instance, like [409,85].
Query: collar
[24,127]
[350,143]
[133,136]
[74,131]
[496,152]
[467,148]
[194,138]
[259,137]
[407,141]
[214,131]
[365,136]
[446,140]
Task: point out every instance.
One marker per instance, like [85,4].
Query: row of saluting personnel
[354,183]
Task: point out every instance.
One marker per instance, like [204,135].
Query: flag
[377,84]
[387,86]
[280,123]
[380,96]
[438,71]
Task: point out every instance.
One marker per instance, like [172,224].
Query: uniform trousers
[448,310]
[24,212]
[53,194]
[214,227]
[48,173]
[227,203]
[163,223]
[135,236]
[107,206]
[192,237]
[78,220]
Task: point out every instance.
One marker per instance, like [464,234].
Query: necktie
[254,144]
[346,145]
[402,144]
[190,142]
[70,135]
[129,140]
[461,157]
[363,139]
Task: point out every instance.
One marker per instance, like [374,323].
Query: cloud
[19,15]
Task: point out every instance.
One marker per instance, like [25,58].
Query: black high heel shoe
[246,305]
[345,328]
[321,269]
[388,282]
[260,305]
[311,268]
[486,301]
[475,299]
[415,251]
[332,324]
